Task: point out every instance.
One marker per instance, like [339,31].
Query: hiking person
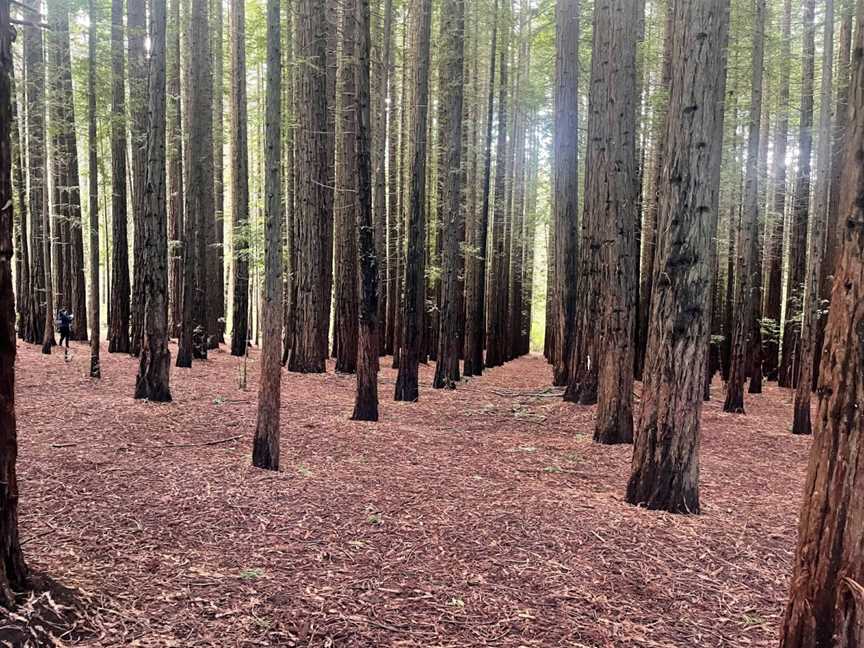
[64,325]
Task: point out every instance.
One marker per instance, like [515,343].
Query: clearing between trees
[483,516]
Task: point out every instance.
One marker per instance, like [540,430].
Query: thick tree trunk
[93,224]
[789,368]
[825,600]
[566,188]
[451,78]
[265,450]
[414,298]
[239,181]
[13,570]
[812,298]
[748,239]
[198,194]
[665,471]
[366,402]
[345,238]
[136,24]
[475,330]
[152,382]
[118,322]
[314,182]
[610,193]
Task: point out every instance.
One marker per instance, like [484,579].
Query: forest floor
[483,516]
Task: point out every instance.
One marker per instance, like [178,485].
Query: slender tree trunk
[393,267]
[24,294]
[239,181]
[825,599]
[665,471]
[175,173]
[450,75]
[345,278]
[366,402]
[13,570]
[95,329]
[314,183]
[265,450]
[649,223]
[136,23]
[811,306]
[216,256]
[475,334]
[289,176]
[791,358]
[414,298]
[748,237]
[774,231]
[152,382]
[610,192]
[118,322]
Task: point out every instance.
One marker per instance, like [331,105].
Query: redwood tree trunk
[93,224]
[13,571]
[566,186]
[414,298]
[366,402]
[313,176]
[826,597]
[136,23]
[610,192]
[239,181]
[154,366]
[175,173]
[665,471]
[265,450]
[450,75]
[118,322]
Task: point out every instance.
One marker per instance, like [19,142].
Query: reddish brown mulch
[483,516]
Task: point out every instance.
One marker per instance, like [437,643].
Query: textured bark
[810,314]
[216,252]
[366,402]
[774,231]
[118,322]
[290,178]
[34,63]
[239,181]
[801,205]
[451,79]
[414,298]
[24,294]
[67,195]
[652,200]
[136,23]
[665,471]
[748,238]
[475,329]
[566,187]
[175,172]
[610,193]
[393,252]
[331,8]
[265,449]
[496,326]
[345,278]
[198,193]
[826,595]
[152,381]
[13,570]
[93,224]
[310,289]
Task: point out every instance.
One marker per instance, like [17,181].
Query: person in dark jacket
[64,325]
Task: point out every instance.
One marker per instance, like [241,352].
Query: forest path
[480,516]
